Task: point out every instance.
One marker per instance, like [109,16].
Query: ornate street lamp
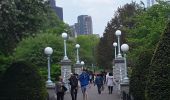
[64,36]
[77,47]
[125,48]
[115,45]
[48,51]
[118,33]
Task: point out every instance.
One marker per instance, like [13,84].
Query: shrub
[22,81]
[159,80]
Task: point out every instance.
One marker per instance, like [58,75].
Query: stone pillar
[78,69]
[124,88]
[66,71]
[119,71]
[51,92]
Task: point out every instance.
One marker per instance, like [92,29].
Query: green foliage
[123,18]
[159,81]
[32,49]
[23,18]
[22,81]
[138,79]
[87,48]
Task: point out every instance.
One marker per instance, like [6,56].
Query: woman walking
[110,82]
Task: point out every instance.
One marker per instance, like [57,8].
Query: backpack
[60,88]
[73,81]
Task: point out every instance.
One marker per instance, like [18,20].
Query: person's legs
[111,89]
[58,96]
[72,94]
[83,88]
[62,96]
[75,93]
[99,89]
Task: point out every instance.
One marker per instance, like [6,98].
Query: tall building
[84,25]
[58,10]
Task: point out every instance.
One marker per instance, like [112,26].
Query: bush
[159,80]
[22,81]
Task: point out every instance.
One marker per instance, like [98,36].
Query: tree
[22,18]
[32,49]
[159,72]
[87,48]
[121,20]
[139,75]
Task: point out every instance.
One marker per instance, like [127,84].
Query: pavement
[93,94]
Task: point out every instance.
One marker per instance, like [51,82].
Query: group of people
[84,80]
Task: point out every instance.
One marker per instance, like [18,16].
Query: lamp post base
[126,80]
[49,83]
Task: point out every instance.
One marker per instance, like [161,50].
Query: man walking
[84,82]
[74,86]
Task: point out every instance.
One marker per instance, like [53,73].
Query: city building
[58,10]
[84,24]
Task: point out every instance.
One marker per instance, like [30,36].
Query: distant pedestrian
[60,89]
[99,82]
[74,86]
[110,82]
[84,82]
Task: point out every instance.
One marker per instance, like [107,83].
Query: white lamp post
[118,33]
[77,47]
[64,36]
[125,48]
[82,63]
[48,51]
[115,45]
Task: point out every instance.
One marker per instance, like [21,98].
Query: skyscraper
[84,24]
[58,10]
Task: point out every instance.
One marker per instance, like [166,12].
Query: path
[93,95]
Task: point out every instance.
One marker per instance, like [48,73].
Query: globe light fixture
[115,45]
[77,47]
[118,34]
[125,48]
[64,36]
[48,51]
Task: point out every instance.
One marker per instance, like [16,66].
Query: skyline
[101,11]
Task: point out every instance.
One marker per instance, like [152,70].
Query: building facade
[58,10]
[84,25]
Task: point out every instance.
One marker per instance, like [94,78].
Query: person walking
[74,86]
[60,89]
[110,82]
[84,82]
[99,83]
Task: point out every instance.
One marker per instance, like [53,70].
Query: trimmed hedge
[159,76]
[138,80]
[22,81]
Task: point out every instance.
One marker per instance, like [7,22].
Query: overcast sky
[101,11]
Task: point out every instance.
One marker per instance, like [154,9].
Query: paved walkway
[93,95]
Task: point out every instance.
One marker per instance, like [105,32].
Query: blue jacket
[84,79]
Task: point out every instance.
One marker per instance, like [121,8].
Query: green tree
[121,20]
[139,76]
[32,49]
[22,18]
[159,72]
[87,48]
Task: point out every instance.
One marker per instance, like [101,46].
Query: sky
[101,11]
